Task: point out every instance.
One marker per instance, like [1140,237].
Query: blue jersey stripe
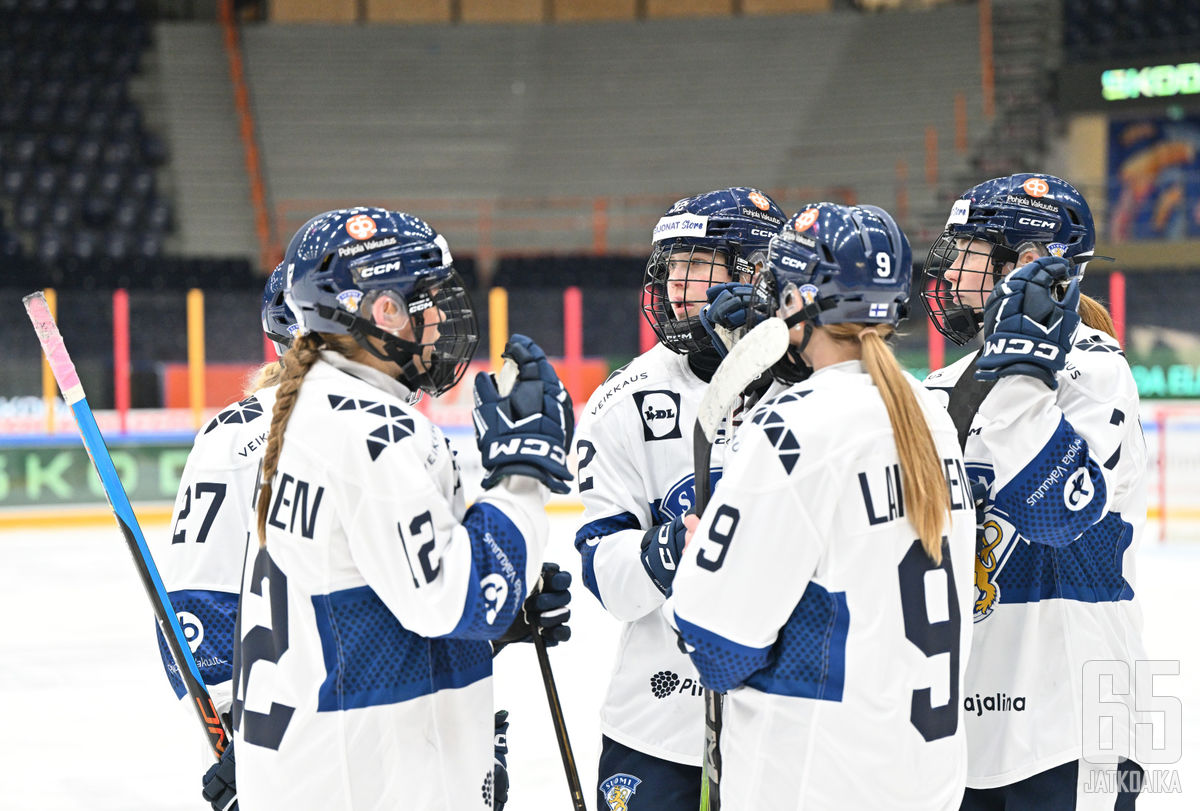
[1090,570]
[372,660]
[213,615]
[809,658]
[497,581]
[722,664]
[1059,494]
[600,529]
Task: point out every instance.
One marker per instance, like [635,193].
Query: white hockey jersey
[1054,575]
[807,598]
[634,446]
[363,678]
[200,561]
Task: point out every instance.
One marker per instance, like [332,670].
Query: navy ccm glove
[500,768]
[526,432]
[545,611]
[219,787]
[1028,322]
[725,313]
[662,546]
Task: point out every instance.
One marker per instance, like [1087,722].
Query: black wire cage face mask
[960,273]
[676,284]
[446,347]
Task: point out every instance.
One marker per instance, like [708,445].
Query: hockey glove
[724,317]
[545,611]
[527,431]
[219,787]
[1028,322]
[662,546]
[500,768]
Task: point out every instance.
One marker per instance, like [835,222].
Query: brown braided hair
[296,362]
[926,496]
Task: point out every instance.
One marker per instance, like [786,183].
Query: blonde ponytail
[295,365]
[926,495]
[266,375]
[1095,315]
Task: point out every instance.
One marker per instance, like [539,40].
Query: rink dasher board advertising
[41,471]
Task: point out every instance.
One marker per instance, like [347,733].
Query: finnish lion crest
[618,789]
[986,591]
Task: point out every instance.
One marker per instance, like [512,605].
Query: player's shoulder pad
[1096,366]
[947,376]
[777,420]
[375,421]
[640,373]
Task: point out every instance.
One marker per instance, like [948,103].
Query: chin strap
[395,350]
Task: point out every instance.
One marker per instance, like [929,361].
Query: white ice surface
[89,721]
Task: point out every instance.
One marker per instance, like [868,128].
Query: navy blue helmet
[278,322]
[833,263]
[989,227]
[341,261]
[720,236]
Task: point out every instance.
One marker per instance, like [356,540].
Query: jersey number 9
[931,638]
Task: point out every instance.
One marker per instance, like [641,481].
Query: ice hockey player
[825,589]
[376,529]
[636,481]
[1047,411]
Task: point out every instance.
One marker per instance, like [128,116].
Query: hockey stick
[72,391]
[754,354]
[560,724]
[505,379]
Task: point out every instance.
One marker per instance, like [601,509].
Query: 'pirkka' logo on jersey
[618,790]
[361,227]
[665,683]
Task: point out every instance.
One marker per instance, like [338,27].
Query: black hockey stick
[72,391]
[754,354]
[505,378]
[560,724]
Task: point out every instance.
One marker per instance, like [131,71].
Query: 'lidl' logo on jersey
[660,414]
[618,790]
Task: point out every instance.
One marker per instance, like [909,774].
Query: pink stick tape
[52,344]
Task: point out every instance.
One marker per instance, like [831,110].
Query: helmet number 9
[883,265]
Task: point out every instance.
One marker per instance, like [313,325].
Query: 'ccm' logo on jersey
[660,414]
[1032,223]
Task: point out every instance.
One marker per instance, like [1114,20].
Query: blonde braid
[303,353]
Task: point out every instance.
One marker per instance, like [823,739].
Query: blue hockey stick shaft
[93,441]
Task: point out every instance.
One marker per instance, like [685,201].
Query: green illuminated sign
[1178,380]
[1159,81]
[46,476]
